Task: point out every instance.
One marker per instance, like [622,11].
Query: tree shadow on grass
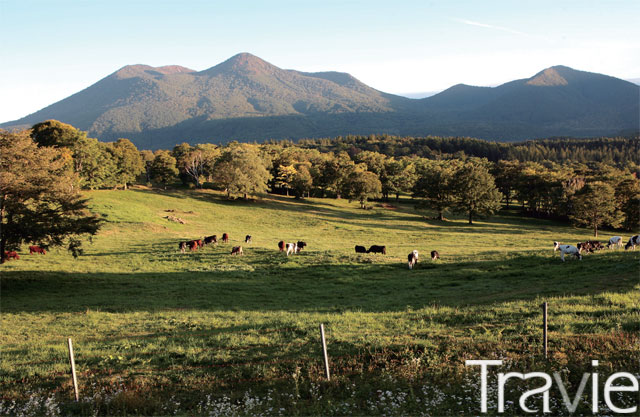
[288,285]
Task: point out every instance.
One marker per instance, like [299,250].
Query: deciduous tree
[39,202]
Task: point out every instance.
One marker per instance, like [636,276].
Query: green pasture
[164,324]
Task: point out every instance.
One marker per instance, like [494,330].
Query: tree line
[462,175]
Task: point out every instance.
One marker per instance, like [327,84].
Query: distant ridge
[247,98]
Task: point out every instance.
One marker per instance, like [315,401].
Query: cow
[193,245]
[281,245]
[633,242]
[378,249]
[225,238]
[435,255]
[237,250]
[182,246]
[413,259]
[589,246]
[361,249]
[11,255]
[291,248]
[36,249]
[566,250]
[615,241]
[247,239]
[199,243]
[300,245]
[211,239]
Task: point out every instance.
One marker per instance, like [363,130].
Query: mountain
[247,98]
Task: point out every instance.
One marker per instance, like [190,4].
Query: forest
[591,182]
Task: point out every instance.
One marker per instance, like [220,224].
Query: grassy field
[160,332]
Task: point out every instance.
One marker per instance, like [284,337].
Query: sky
[52,49]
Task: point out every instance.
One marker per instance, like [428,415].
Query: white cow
[633,242]
[615,241]
[566,250]
[413,259]
[291,248]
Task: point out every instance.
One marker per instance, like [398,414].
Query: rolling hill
[247,98]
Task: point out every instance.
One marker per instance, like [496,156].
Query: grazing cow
[199,243]
[615,241]
[292,248]
[36,249]
[566,250]
[247,239]
[413,258]
[11,255]
[590,246]
[300,245]
[225,238]
[435,255]
[193,245]
[237,250]
[211,239]
[378,249]
[281,245]
[361,249]
[182,246]
[633,242]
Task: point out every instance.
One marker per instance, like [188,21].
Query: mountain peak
[243,63]
[549,77]
[138,70]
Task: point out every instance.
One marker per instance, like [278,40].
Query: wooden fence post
[73,370]
[324,351]
[545,334]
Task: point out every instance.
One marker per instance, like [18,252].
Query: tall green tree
[435,185]
[39,200]
[476,192]
[241,170]
[361,185]
[96,166]
[129,163]
[163,168]
[595,205]
[302,180]
[56,134]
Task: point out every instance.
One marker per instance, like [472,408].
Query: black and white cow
[566,250]
[633,242]
[615,241]
[413,259]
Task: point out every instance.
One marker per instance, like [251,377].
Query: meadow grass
[159,323]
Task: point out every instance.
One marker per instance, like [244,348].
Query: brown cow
[36,249]
[237,250]
[11,255]
[435,255]
[281,245]
[225,238]
[211,239]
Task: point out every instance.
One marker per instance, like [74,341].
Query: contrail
[484,25]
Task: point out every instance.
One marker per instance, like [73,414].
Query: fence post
[545,333]
[73,370]
[324,351]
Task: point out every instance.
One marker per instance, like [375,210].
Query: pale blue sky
[52,49]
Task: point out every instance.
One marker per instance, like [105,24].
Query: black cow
[378,249]
[300,245]
[361,249]
[281,245]
[225,238]
[435,255]
[211,239]
[193,244]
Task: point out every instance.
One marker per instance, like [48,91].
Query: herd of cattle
[292,248]
[591,246]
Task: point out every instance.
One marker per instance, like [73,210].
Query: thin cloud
[484,25]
